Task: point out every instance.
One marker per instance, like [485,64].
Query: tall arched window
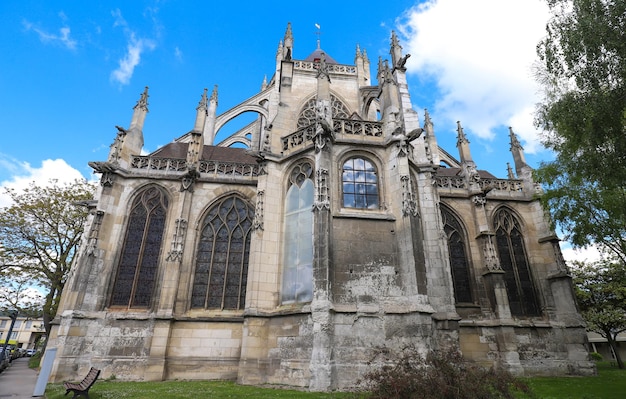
[298,241]
[359,184]
[139,259]
[517,277]
[458,257]
[222,258]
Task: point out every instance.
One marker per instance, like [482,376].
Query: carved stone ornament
[409,205]
[107,179]
[116,146]
[560,261]
[257,223]
[324,133]
[322,196]
[189,179]
[176,250]
[479,200]
[492,263]
[92,242]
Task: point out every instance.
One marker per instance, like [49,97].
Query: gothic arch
[458,252]
[518,275]
[235,112]
[222,254]
[307,114]
[361,180]
[137,271]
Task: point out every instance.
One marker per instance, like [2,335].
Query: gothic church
[341,228]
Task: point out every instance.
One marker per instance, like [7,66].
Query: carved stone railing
[163,164]
[216,168]
[459,182]
[451,182]
[298,138]
[222,168]
[349,127]
[501,184]
[359,128]
[332,68]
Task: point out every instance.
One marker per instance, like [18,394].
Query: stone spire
[396,50]
[362,67]
[133,142]
[509,171]
[209,127]
[431,139]
[462,143]
[518,152]
[288,43]
[201,113]
[141,109]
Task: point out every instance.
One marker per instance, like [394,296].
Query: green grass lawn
[610,383]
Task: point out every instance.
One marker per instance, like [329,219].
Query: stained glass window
[222,259]
[139,259]
[360,184]
[298,240]
[458,257]
[518,278]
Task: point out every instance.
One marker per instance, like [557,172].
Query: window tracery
[359,184]
[518,277]
[297,285]
[222,258]
[459,262]
[307,115]
[139,259]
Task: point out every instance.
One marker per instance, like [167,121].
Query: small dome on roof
[316,56]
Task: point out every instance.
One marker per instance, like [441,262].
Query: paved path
[18,381]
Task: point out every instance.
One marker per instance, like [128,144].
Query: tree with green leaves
[583,116]
[39,235]
[17,293]
[601,294]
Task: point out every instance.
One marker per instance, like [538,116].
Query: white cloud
[134,49]
[63,37]
[588,254]
[23,174]
[480,54]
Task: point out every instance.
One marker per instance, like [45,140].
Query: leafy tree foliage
[39,235]
[583,115]
[601,295]
[17,293]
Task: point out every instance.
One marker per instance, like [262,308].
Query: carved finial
[288,34]
[509,171]
[461,138]
[514,141]
[214,94]
[365,55]
[394,40]
[427,120]
[264,84]
[279,52]
[203,105]
[143,101]
[358,51]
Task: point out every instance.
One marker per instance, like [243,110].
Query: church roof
[209,153]
[317,55]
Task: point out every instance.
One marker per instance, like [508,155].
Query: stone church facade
[340,229]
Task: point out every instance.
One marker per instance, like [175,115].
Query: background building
[341,228]
[26,332]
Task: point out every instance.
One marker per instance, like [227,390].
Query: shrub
[440,375]
[595,356]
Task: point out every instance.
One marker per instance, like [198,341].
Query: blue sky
[70,71]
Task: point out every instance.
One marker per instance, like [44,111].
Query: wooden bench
[85,384]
